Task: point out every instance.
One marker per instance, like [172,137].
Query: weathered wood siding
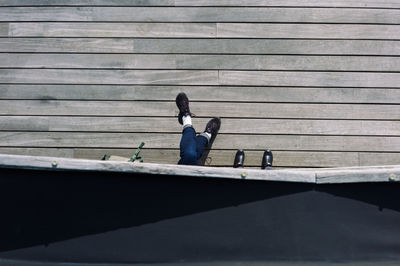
[318,82]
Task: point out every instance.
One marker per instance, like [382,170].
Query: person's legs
[192,147]
[188,147]
[201,143]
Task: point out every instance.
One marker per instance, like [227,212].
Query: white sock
[207,135]
[187,120]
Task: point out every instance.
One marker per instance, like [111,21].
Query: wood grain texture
[237,126]
[319,176]
[87,3]
[331,79]
[223,141]
[266,46]
[382,174]
[225,157]
[153,30]
[317,84]
[36,162]
[165,77]
[92,61]
[291,3]
[4,29]
[201,62]
[276,62]
[66,45]
[241,3]
[200,77]
[200,46]
[53,152]
[204,14]
[308,31]
[201,93]
[369,158]
[201,109]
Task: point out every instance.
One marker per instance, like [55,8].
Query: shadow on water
[40,207]
[200,219]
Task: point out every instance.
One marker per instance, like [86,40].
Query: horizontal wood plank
[223,141]
[200,109]
[276,62]
[242,3]
[154,30]
[92,61]
[291,3]
[379,158]
[237,126]
[266,46]
[87,3]
[203,30]
[201,93]
[52,152]
[67,45]
[368,174]
[200,46]
[331,79]
[201,62]
[204,14]
[306,31]
[200,77]
[164,77]
[224,157]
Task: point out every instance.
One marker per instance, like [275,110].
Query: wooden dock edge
[311,175]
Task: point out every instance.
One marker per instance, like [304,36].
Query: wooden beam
[54,163]
[319,176]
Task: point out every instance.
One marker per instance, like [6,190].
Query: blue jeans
[191,146]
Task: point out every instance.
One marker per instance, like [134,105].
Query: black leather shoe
[182,102]
[239,159]
[267,159]
[213,126]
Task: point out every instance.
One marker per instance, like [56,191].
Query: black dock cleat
[267,160]
[239,159]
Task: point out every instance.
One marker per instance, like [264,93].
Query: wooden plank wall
[318,82]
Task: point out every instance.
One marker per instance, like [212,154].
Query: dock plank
[237,126]
[267,46]
[291,3]
[223,141]
[307,31]
[47,163]
[92,61]
[287,78]
[199,3]
[201,109]
[87,3]
[224,157]
[82,76]
[66,45]
[200,46]
[195,14]
[200,77]
[201,62]
[317,81]
[153,30]
[200,93]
